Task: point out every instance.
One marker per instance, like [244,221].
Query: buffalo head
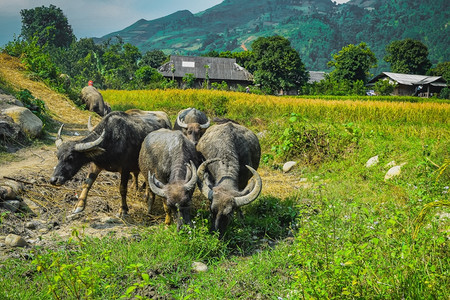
[72,156]
[193,131]
[177,195]
[224,197]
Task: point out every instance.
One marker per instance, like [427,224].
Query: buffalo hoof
[78,210]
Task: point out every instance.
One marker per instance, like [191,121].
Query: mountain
[316,28]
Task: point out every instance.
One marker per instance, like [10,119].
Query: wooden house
[211,69]
[412,85]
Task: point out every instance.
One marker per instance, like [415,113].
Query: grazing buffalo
[94,101]
[169,162]
[193,123]
[232,153]
[113,145]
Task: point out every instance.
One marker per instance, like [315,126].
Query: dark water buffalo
[94,101]
[193,123]
[113,145]
[232,154]
[169,162]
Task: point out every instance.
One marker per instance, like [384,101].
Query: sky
[96,18]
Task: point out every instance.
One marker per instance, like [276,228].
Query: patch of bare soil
[45,216]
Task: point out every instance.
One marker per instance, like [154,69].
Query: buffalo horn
[190,185]
[246,199]
[181,123]
[153,184]
[206,190]
[83,147]
[59,140]
[206,125]
[89,125]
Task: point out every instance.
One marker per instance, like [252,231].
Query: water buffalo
[169,162]
[94,101]
[232,154]
[193,123]
[113,145]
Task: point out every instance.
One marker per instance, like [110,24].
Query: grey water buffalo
[193,123]
[232,153]
[94,101]
[113,145]
[169,162]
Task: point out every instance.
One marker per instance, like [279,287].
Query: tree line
[48,48]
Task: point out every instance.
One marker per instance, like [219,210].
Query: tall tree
[153,58]
[408,56]
[276,65]
[353,63]
[48,24]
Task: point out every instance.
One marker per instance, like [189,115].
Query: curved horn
[59,141]
[82,147]
[89,125]
[153,184]
[190,185]
[206,125]
[205,189]
[181,123]
[253,194]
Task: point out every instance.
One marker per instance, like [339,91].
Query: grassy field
[344,233]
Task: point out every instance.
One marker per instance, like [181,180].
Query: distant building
[218,69]
[316,76]
[412,85]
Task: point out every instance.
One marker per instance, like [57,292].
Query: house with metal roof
[412,85]
[211,69]
[316,76]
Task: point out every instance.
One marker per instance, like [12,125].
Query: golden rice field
[241,106]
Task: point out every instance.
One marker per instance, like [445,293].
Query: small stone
[288,166]
[13,240]
[394,171]
[372,161]
[199,267]
[32,225]
[12,205]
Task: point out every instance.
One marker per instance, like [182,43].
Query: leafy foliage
[48,24]
[276,65]
[408,56]
[384,87]
[353,63]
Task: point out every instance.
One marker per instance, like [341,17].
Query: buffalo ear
[94,152]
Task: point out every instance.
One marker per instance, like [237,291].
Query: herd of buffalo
[220,159]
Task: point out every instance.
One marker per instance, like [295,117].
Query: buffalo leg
[167,210]
[124,176]
[93,173]
[149,198]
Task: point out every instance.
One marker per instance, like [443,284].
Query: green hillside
[315,28]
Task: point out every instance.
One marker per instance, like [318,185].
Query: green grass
[348,234]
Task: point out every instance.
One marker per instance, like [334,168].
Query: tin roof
[218,68]
[409,79]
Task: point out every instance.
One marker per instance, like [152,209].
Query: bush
[384,87]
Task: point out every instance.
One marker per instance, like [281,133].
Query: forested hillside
[316,28]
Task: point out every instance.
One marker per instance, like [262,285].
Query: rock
[8,129]
[394,171]
[7,193]
[32,225]
[199,267]
[7,101]
[288,166]
[13,240]
[28,122]
[373,161]
[11,205]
